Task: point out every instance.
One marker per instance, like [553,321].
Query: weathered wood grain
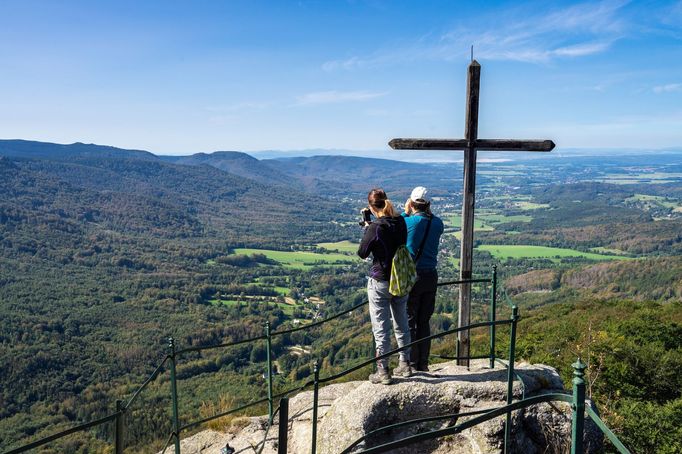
[468,203]
[480,144]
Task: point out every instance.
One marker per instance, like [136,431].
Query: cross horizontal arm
[428,144]
[514,145]
[480,144]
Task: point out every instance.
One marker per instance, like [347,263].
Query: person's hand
[408,207]
[363,213]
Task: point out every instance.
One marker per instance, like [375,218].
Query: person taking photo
[382,238]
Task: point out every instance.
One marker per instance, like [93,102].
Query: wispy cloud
[521,35]
[333,96]
[668,88]
[239,107]
[349,63]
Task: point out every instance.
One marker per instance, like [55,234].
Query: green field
[508,197]
[654,200]
[523,205]
[284,291]
[340,246]
[300,260]
[288,309]
[455,220]
[502,218]
[218,302]
[555,254]
[485,222]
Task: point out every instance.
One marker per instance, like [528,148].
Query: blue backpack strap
[421,246]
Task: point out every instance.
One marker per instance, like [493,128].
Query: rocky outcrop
[350,411]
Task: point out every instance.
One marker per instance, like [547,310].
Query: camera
[366,217]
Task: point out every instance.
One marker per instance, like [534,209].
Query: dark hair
[422,206]
[377,198]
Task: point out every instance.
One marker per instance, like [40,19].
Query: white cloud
[333,96]
[577,31]
[668,88]
[516,34]
[580,50]
[349,63]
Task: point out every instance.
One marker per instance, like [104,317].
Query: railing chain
[316,392]
[174,395]
[510,379]
[268,347]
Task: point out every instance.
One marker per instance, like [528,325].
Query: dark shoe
[403,370]
[380,376]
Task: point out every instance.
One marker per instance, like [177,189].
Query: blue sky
[181,77]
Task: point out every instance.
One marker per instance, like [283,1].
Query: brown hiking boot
[403,370]
[380,376]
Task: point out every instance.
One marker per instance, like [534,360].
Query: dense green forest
[104,253]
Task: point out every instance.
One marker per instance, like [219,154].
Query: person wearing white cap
[423,237]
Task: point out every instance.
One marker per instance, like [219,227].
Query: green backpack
[404,268]
[403,272]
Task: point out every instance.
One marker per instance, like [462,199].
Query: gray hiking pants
[385,308]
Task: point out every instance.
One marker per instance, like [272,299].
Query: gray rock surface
[349,411]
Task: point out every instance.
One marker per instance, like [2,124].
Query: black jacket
[381,239]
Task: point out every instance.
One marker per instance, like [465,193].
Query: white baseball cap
[420,194]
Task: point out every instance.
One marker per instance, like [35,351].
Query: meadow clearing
[518,251]
[299,259]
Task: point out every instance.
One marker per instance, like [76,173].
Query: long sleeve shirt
[381,239]
[416,229]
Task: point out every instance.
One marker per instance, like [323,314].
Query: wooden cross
[470,144]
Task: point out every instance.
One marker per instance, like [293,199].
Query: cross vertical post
[468,202]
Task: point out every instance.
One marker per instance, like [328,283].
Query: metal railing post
[316,392]
[268,346]
[174,395]
[510,377]
[283,436]
[118,428]
[578,407]
[493,310]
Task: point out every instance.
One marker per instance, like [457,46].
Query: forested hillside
[104,253]
[240,164]
[634,355]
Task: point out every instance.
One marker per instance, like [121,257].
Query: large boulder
[350,411]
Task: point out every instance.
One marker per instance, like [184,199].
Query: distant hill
[238,163]
[130,190]
[357,174]
[46,150]
[325,175]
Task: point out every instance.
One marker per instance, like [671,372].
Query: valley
[106,252]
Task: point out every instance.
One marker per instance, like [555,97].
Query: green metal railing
[118,417]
